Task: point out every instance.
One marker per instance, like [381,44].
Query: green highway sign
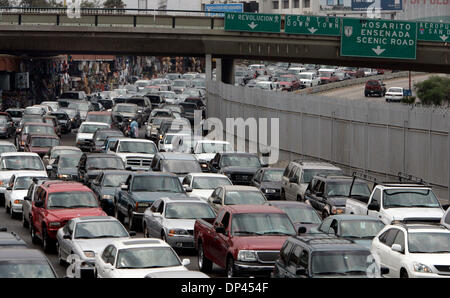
[378,38]
[429,31]
[296,24]
[252,22]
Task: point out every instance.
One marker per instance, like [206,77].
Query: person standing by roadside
[134,127]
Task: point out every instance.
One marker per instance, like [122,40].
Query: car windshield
[244,197]
[342,188]
[7,148]
[137,147]
[91,128]
[15,114]
[101,136]
[80,106]
[25,269]
[125,109]
[177,166]
[173,76]
[21,162]
[140,102]
[272,175]
[142,83]
[180,83]
[44,142]
[213,148]
[23,183]
[209,182]
[325,73]
[99,229]
[105,163]
[429,242]
[157,184]
[301,214]
[73,199]
[199,83]
[160,113]
[305,76]
[189,211]
[147,257]
[69,161]
[69,95]
[168,95]
[341,262]
[60,116]
[398,198]
[33,111]
[287,79]
[309,174]
[250,224]
[114,180]
[58,152]
[39,129]
[360,228]
[3,119]
[240,161]
[99,118]
[71,112]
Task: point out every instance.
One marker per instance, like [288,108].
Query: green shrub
[434,91]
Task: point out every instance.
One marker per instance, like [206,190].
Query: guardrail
[100,17]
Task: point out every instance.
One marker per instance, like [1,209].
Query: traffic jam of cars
[113,185]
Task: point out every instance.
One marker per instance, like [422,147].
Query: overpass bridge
[137,32]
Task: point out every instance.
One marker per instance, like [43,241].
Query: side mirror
[217,201]
[75,130]
[219,229]
[397,248]
[124,187]
[374,206]
[67,236]
[27,198]
[188,189]
[186,262]
[301,271]
[301,230]
[157,214]
[9,188]
[39,204]
[319,194]
[49,167]
[332,231]
[445,207]
[108,266]
[132,233]
[45,157]
[384,270]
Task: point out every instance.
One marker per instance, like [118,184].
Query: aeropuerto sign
[378,38]
[429,31]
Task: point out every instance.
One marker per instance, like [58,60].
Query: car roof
[177,274]
[252,209]
[288,203]
[2,142]
[99,113]
[9,239]
[239,187]
[140,242]
[194,175]
[328,243]
[21,254]
[30,174]
[183,200]
[94,218]
[176,155]
[145,173]
[40,135]
[354,217]
[66,148]
[125,139]
[64,186]
[7,154]
[38,123]
[96,123]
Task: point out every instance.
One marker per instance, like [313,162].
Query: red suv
[41,144]
[289,82]
[55,203]
[375,87]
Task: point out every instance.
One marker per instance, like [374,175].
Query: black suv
[328,193]
[240,167]
[324,256]
[92,164]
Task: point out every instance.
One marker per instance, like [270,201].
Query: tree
[114,4]
[4,3]
[89,4]
[41,3]
[434,91]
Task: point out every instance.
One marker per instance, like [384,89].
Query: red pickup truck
[244,239]
[55,203]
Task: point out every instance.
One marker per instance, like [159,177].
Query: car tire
[25,223]
[34,237]
[60,259]
[163,237]
[404,273]
[283,195]
[7,209]
[230,268]
[46,242]
[146,233]
[204,265]
[119,215]
[299,198]
[131,224]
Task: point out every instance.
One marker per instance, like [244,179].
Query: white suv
[413,250]
[299,173]
[135,153]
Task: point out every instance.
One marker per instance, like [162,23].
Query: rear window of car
[372,83]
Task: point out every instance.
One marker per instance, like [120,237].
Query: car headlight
[89,253]
[269,190]
[54,224]
[61,176]
[246,255]
[418,267]
[337,210]
[176,232]
[107,197]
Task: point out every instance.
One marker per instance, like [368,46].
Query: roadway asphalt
[356,92]
[15,225]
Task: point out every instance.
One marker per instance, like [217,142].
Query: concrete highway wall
[379,138]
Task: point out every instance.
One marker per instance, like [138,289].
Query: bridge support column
[208,67]
[225,70]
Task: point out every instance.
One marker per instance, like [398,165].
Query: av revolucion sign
[429,31]
[378,38]
[253,22]
[312,25]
